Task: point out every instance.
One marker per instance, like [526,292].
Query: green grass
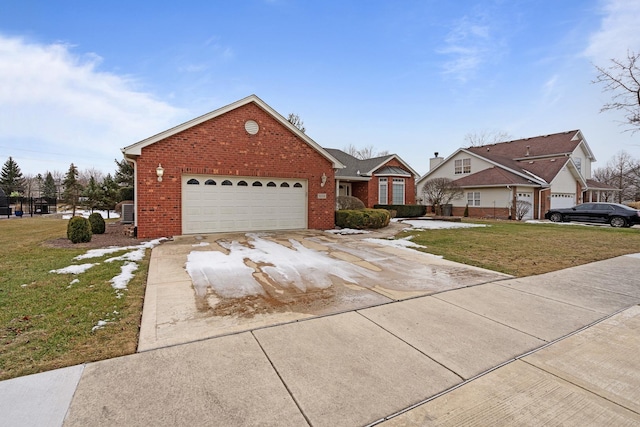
[45,321]
[522,249]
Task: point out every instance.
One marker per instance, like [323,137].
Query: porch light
[159,172]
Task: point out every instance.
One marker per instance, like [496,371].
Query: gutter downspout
[135,192]
[510,200]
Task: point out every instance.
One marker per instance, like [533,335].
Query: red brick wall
[221,146]
[361,191]
[409,187]
[480,212]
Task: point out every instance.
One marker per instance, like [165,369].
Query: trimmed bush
[362,218]
[405,211]
[97,223]
[349,203]
[79,230]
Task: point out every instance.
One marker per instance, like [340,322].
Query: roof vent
[528,147]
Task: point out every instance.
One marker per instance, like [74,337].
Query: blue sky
[80,80]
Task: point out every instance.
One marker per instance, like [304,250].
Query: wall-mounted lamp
[159,172]
[323,180]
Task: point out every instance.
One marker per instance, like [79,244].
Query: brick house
[384,180]
[242,167]
[543,172]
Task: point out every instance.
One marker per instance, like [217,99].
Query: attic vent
[528,148]
[251,127]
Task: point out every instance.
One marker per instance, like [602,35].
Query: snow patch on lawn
[430,224]
[126,274]
[85,213]
[73,269]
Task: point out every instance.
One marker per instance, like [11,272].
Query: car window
[584,207]
[603,207]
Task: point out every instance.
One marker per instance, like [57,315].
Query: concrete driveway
[211,285]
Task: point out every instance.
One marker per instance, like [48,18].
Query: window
[578,162]
[226,182]
[256,184]
[473,198]
[210,182]
[398,191]
[462,166]
[271,184]
[297,185]
[382,191]
[242,184]
[284,184]
[193,181]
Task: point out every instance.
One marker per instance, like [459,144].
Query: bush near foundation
[362,218]
[79,230]
[97,223]
[405,211]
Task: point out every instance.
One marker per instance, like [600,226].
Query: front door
[345,189]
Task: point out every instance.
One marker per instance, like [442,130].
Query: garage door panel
[563,200]
[218,208]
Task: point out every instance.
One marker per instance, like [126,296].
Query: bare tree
[522,208]
[440,191]
[486,137]
[86,174]
[295,120]
[622,172]
[368,152]
[623,79]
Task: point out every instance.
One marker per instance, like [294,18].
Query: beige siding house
[521,178]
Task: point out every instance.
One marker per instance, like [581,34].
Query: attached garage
[242,167]
[212,204]
[563,200]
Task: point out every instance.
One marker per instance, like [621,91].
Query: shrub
[79,230]
[349,203]
[363,218]
[405,211]
[97,223]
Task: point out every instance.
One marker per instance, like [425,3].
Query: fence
[20,206]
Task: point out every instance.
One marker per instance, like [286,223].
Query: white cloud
[58,107]
[469,44]
[618,31]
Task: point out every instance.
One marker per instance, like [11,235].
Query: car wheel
[556,217]
[618,221]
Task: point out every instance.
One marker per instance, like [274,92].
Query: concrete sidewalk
[555,349]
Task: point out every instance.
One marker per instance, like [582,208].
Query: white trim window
[473,198]
[397,191]
[462,166]
[383,193]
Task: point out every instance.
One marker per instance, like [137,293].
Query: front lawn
[523,249]
[49,320]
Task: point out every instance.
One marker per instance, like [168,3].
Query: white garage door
[563,200]
[527,209]
[213,204]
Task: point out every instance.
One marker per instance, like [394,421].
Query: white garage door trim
[563,200]
[213,204]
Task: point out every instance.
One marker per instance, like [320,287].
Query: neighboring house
[384,180]
[242,167]
[550,171]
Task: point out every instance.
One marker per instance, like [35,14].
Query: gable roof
[536,160]
[135,149]
[363,169]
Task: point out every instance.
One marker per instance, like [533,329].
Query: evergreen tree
[125,179]
[49,189]
[109,193]
[11,179]
[92,195]
[72,188]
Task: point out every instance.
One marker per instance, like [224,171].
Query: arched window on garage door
[271,184]
[297,185]
[226,182]
[284,184]
[210,182]
[242,184]
[256,184]
[193,181]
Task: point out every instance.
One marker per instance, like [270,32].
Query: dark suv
[605,213]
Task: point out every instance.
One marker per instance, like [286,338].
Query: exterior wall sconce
[159,172]
[323,180]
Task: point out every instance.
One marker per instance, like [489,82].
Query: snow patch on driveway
[296,266]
